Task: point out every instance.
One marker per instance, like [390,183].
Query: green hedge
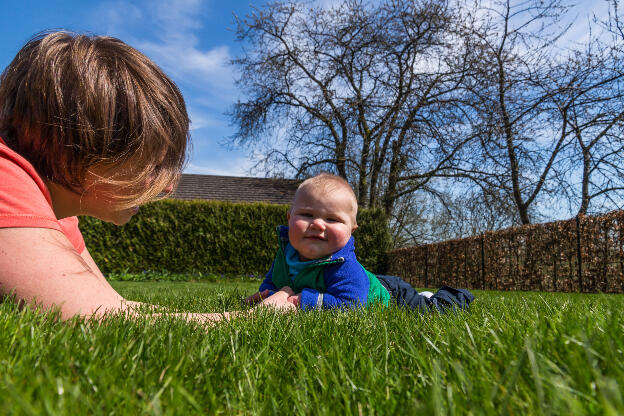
[211,237]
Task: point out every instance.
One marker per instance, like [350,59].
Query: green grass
[512,353]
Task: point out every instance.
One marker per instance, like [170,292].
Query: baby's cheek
[344,237]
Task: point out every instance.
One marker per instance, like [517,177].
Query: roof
[236,189]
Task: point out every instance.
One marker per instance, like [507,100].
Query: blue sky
[192,40]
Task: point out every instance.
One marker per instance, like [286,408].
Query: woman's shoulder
[22,191]
[25,200]
[15,165]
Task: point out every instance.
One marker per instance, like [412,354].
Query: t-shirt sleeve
[24,203]
[70,228]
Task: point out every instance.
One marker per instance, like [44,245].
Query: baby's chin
[309,256]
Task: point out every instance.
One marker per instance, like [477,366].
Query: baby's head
[322,216]
[94,115]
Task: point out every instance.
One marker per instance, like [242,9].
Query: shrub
[583,254]
[211,237]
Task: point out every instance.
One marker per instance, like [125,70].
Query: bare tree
[591,101]
[422,219]
[512,90]
[453,119]
[366,91]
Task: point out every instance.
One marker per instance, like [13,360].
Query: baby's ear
[355,226]
[288,214]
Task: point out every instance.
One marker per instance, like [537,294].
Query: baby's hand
[279,300]
[295,299]
[288,290]
[257,297]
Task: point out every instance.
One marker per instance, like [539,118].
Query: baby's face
[320,224]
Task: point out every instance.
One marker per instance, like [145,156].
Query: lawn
[512,353]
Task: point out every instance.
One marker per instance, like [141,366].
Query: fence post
[427,265]
[579,267]
[482,240]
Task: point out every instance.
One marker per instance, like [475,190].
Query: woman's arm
[41,267]
[86,256]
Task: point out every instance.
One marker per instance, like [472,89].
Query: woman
[88,126]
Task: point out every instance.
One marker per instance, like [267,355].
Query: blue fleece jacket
[338,280]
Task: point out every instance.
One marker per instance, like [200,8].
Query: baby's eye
[305,214]
[330,219]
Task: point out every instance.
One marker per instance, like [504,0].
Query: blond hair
[71,103]
[328,182]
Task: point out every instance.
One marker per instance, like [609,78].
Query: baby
[316,260]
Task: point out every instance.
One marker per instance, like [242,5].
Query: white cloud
[206,70]
[230,167]
[116,15]
[169,32]
[169,35]
[328,3]
[584,14]
[201,119]
[179,14]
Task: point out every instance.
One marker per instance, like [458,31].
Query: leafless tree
[521,138]
[367,91]
[591,101]
[448,216]
[453,118]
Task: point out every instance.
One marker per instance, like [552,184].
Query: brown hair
[328,182]
[71,104]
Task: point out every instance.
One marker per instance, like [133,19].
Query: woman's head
[94,115]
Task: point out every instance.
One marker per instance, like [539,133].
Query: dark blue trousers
[406,296]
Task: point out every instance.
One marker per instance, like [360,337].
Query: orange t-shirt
[25,200]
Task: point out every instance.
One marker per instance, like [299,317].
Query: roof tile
[235,188]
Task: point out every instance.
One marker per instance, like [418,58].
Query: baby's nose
[318,223]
